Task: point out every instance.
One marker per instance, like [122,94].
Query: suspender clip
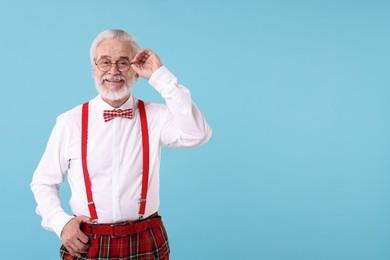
[95,221]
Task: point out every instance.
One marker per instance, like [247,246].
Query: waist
[124,228]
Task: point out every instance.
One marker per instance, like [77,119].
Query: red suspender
[87,181]
[145,152]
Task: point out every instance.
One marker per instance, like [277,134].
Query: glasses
[104,64]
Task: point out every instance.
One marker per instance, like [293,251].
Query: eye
[104,62]
[122,63]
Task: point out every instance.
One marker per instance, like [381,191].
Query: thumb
[84,219]
[135,68]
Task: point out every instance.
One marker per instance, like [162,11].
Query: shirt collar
[104,106]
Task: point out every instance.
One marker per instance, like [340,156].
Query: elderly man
[110,148]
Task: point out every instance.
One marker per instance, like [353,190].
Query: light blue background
[297,93]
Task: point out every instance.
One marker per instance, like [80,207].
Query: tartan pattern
[110,114]
[151,244]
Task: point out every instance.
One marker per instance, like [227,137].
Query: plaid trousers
[151,244]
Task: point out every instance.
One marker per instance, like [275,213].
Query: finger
[84,219]
[78,245]
[137,57]
[83,238]
[72,250]
[84,248]
[141,54]
[136,68]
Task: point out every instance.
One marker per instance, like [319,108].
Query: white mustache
[113,78]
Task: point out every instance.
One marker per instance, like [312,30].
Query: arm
[185,126]
[47,179]
[45,186]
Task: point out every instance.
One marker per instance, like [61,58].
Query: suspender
[145,152]
[87,181]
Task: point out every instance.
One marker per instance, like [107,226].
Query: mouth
[114,81]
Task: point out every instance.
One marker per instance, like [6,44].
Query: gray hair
[113,34]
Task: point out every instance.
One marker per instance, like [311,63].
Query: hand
[74,240]
[145,63]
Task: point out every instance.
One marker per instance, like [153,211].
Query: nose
[114,70]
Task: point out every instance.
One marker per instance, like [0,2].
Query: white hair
[113,34]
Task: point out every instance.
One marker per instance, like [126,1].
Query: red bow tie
[110,114]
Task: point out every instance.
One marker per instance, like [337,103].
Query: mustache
[113,78]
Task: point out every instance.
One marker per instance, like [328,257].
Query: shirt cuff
[161,79]
[61,219]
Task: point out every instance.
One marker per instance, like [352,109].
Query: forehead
[114,49]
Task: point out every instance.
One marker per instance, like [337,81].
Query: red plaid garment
[151,244]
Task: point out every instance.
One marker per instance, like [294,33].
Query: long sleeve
[185,126]
[46,180]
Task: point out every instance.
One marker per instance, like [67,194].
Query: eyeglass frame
[116,63]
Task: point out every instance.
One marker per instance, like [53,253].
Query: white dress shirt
[114,155]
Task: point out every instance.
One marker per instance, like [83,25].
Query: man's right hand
[74,240]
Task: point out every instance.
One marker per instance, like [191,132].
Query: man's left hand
[145,63]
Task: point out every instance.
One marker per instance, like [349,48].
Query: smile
[114,81]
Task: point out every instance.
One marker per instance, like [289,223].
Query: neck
[116,103]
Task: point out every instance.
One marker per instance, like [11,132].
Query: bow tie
[110,114]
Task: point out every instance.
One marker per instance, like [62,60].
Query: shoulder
[74,115]
[156,113]
[152,108]
[71,115]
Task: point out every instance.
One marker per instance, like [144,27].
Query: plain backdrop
[297,93]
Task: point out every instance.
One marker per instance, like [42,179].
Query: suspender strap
[145,153]
[87,181]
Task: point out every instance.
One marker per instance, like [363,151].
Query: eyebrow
[120,58]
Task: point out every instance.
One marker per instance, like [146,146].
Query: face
[114,85]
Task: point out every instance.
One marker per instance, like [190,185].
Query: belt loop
[112,230]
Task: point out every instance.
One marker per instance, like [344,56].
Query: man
[110,150]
